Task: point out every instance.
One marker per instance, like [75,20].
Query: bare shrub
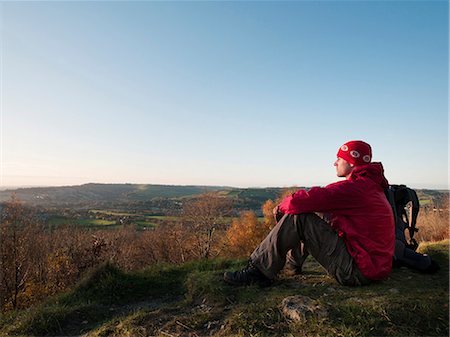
[71,252]
[121,243]
[18,232]
[201,218]
[173,243]
[132,249]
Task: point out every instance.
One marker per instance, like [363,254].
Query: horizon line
[29,186]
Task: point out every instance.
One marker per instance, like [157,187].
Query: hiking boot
[291,269]
[247,276]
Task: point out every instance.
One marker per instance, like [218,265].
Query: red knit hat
[356,152]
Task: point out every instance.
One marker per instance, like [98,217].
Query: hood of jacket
[373,171]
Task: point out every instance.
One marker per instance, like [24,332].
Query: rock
[394,291]
[300,308]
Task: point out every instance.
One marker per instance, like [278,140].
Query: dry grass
[433,225]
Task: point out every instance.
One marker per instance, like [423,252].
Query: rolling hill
[126,193]
[130,193]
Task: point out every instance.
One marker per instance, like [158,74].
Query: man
[356,245]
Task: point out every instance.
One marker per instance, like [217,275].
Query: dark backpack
[405,206]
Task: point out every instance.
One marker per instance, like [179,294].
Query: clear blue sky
[222,93]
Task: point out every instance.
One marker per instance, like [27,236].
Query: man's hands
[277,214]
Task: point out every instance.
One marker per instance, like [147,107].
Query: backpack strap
[390,195]
[407,208]
[413,211]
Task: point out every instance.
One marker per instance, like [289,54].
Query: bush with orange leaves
[247,231]
[244,234]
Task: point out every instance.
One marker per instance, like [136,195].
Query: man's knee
[314,228]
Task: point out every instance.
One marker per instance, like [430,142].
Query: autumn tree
[247,231]
[201,217]
[245,234]
[267,210]
[269,205]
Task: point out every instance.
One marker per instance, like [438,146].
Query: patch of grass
[162,217]
[115,213]
[129,325]
[107,212]
[259,318]
[94,222]
[56,319]
[103,288]
[191,299]
[57,221]
[145,224]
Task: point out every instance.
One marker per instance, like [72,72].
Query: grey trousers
[296,236]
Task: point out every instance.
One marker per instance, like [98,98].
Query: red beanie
[356,152]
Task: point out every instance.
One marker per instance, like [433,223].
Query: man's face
[343,168]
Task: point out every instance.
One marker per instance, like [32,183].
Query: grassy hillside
[115,194]
[103,193]
[192,300]
[129,193]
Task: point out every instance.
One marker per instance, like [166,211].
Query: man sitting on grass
[355,246]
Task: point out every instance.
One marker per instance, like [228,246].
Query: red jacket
[359,212]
